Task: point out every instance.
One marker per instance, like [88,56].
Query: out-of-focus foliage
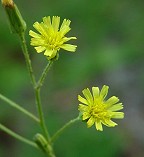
[110,51]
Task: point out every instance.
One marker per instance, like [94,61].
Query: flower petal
[83,100]
[65,23]
[98,125]
[65,39]
[69,47]
[104,123]
[82,108]
[95,91]
[116,107]
[86,115]
[55,23]
[39,28]
[118,115]
[65,27]
[37,42]
[47,21]
[88,96]
[104,91]
[110,123]
[90,122]
[40,49]
[48,52]
[112,100]
[33,34]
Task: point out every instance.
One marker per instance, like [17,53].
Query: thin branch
[18,107]
[61,130]
[18,137]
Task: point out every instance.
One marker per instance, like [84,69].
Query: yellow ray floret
[51,36]
[96,110]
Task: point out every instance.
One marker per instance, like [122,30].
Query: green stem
[18,137]
[37,87]
[41,116]
[44,73]
[38,100]
[61,130]
[27,58]
[16,106]
[50,151]
[42,122]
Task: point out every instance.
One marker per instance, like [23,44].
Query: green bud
[41,142]
[16,21]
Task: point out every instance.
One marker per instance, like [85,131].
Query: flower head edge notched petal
[95,110]
[51,36]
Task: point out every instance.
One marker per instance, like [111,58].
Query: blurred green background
[110,51]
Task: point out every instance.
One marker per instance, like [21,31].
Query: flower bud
[41,142]
[9,3]
[16,21]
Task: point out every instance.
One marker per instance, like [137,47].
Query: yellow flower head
[96,110]
[50,37]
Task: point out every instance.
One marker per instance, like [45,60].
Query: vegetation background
[110,51]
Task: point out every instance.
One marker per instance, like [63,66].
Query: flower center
[98,111]
[54,41]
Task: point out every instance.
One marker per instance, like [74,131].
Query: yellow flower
[50,37]
[96,110]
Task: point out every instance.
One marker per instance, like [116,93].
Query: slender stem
[44,73]
[42,122]
[50,150]
[61,130]
[18,107]
[38,99]
[41,116]
[18,137]
[27,58]
[37,86]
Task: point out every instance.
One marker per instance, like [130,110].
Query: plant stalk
[18,137]
[44,73]
[62,129]
[27,59]
[40,112]
[18,107]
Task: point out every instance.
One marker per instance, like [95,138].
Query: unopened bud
[16,21]
[41,142]
[9,3]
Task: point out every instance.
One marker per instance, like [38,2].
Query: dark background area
[110,40]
